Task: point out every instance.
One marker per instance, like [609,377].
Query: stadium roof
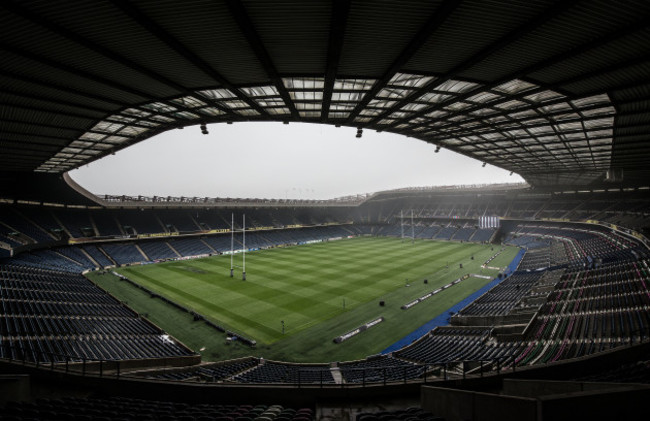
[556,91]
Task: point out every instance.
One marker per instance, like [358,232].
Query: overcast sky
[273,160]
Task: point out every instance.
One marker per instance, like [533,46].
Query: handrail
[369,376]
[382,375]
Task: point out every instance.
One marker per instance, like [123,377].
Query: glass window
[410,80]
[188,102]
[353,84]
[217,94]
[515,86]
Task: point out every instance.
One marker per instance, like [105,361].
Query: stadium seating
[42,219]
[190,246]
[123,253]
[181,221]
[379,369]
[140,222]
[12,221]
[446,233]
[97,255]
[43,224]
[463,234]
[47,259]
[60,316]
[126,408]
[451,344]
[577,291]
[221,243]
[211,372]
[157,250]
[277,372]
[409,414]
[75,222]
[503,297]
[76,254]
[106,223]
[482,235]
[429,232]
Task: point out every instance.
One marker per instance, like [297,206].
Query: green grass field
[320,291]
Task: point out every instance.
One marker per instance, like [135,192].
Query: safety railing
[300,377]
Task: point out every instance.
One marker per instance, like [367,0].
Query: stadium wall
[45,383]
[535,400]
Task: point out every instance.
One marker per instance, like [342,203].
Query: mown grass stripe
[306,286]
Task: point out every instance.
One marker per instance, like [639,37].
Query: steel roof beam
[459,130]
[550,13]
[152,27]
[100,80]
[77,72]
[636,61]
[22,11]
[245,24]
[60,88]
[338,23]
[46,111]
[497,128]
[521,74]
[15,137]
[505,112]
[37,124]
[433,24]
[53,101]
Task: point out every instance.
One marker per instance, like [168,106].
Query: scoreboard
[489,222]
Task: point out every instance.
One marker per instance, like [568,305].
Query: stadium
[521,301]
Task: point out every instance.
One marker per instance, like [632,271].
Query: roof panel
[469,29]
[373,40]
[535,85]
[286,27]
[208,30]
[76,50]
